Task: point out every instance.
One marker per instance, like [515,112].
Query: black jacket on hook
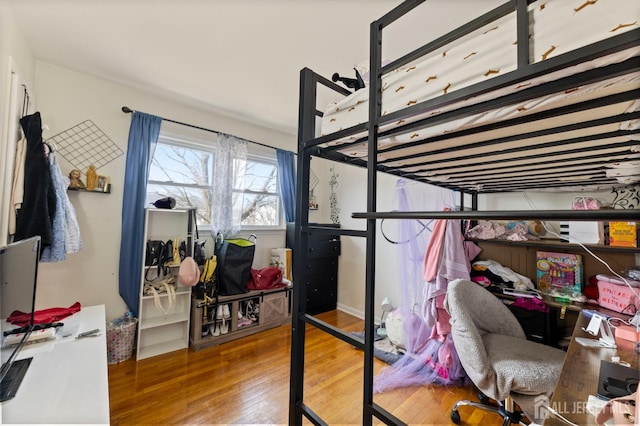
[39,203]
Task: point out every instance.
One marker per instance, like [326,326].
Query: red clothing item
[43,316]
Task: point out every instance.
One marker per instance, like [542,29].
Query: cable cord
[560,416]
[544,225]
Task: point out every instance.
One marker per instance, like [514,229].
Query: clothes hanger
[25,101]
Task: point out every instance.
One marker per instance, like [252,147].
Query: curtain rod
[128,110]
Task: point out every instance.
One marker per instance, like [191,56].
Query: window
[260,198]
[183,169]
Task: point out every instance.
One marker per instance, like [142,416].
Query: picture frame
[103,184]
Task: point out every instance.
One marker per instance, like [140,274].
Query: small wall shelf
[107,190]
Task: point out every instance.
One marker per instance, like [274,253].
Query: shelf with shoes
[236,316]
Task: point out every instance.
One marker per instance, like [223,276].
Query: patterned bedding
[559,26]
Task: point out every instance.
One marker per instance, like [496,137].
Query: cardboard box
[582,232]
[623,234]
[282,258]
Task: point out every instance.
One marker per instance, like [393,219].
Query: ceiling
[239,58]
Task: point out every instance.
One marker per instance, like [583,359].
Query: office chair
[497,357]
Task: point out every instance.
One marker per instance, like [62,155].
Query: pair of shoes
[223,312]
[252,311]
[219,327]
[243,322]
[205,330]
[224,326]
[215,330]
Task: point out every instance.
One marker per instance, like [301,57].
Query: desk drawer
[324,249]
[320,281]
[321,291]
[328,265]
[535,324]
[322,295]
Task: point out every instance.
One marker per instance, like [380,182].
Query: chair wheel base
[455,417]
[514,417]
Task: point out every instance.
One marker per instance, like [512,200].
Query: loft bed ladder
[309,145]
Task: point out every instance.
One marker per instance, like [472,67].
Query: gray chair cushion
[523,366]
[492,347]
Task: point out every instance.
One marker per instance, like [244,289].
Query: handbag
[171,253]
[265,278]
[235,257]
[198,252]
[166,285]
[167,254]
[154,251]
[207,286]
[198,246]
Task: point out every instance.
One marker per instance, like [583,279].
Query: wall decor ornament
[75,180]
[85,145]
[92,177]
[334,214]
[313,182]
[626,198]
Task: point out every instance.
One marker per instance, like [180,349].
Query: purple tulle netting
[429,355]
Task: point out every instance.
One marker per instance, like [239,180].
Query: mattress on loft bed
[582,93]
[495,160]
[558,26]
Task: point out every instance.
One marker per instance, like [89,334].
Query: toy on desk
[564,297]
[560,273]
[598,325]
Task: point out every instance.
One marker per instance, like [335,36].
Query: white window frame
[272,161]
[255,155]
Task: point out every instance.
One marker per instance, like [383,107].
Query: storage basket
[121,335]
[616,297]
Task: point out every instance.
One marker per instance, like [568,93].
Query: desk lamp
[386,308]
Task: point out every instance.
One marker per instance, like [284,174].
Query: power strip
[44,334]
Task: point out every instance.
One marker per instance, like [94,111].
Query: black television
[18,277]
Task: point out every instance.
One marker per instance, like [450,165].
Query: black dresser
[321,262]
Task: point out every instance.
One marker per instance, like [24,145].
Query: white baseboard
[358,314]
[349,310]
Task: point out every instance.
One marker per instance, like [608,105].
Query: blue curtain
[287,178]
[143,136]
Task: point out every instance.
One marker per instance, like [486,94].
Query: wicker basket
[120,339]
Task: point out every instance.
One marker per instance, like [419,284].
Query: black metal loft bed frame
[311,146]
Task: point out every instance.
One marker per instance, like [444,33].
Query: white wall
[17,69]
[352,198]
[67,98]
[13,44]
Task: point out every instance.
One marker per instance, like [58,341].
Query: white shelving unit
[159,333]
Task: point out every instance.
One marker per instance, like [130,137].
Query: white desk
[67,381]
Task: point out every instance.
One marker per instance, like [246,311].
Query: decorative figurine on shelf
[76,181]
[92,178]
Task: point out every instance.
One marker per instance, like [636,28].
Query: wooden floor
[247,382]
